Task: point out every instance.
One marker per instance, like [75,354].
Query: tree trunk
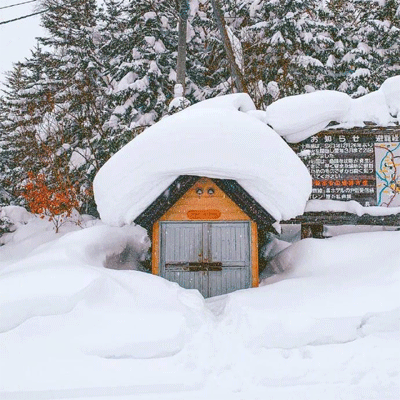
[235,70]
[181,62]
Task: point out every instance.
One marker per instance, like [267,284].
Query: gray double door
[213,257]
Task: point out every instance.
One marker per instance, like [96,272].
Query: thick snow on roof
[215,138]
[298,117]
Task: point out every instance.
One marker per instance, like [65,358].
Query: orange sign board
[203,214]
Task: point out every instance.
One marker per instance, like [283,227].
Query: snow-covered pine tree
[208,71]
[79,104]
[366,50]
[140,42]
[27,100]
[284,46]
[5,156]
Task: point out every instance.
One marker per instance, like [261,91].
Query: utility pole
[235,70]
[181,62]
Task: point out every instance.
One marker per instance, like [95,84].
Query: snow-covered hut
[204,182]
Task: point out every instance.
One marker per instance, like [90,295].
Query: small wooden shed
[205,234]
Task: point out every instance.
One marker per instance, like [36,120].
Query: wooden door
[213,257]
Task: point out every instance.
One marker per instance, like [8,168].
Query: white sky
[17,38]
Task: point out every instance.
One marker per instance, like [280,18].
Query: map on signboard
[387,165]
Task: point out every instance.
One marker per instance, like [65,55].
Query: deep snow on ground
[326,327]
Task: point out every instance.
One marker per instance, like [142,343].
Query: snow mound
[371,107]
[298,117]
[215,138]
[73,329]
[352,206]
[328,291]
[63,290]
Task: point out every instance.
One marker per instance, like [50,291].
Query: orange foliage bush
[55,204]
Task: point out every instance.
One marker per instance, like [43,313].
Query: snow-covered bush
[10,218]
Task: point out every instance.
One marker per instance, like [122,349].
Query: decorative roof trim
[184,182]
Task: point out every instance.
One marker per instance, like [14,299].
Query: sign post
[361,164]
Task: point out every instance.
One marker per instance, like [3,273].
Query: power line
[17,4]
[23,17]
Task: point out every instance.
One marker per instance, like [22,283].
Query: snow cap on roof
[298,117]
[215,138]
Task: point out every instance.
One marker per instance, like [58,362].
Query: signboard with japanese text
[354,165]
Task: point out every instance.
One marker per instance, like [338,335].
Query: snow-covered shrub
[57,204]
[10,218]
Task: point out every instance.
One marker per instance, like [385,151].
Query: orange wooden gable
[205,201]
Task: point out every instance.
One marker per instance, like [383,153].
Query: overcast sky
[17,38]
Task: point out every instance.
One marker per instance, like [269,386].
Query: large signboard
[353,165]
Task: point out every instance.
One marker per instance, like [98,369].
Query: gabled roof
[184,182]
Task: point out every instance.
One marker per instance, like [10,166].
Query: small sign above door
[203,214]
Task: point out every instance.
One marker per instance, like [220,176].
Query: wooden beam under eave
[254,254]
[155,254]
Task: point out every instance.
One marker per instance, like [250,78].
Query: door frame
[253,237]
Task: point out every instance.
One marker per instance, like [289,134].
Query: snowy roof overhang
[219,138]
[182,184]
[296,118]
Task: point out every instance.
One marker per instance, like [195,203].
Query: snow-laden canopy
[298,117]
[216,138]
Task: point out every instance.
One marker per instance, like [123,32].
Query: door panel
[182,245]
[229,244]
[211,257]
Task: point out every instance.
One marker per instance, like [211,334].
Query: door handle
[213,264]
[197,266]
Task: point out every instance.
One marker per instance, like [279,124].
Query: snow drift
[215,138]
[326,291]
[327,327]
[139,315]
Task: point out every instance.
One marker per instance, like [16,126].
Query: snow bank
[28,231]
[298,117]
[353,207]
[214,138]
[330,291]
[102,312]
[327,327]
[15,215]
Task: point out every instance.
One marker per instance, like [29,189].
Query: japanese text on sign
[342,167]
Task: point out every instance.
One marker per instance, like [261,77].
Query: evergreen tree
[284,47]
[79,104]
[57,105]
[24,137]
[140,42]
[366,50]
